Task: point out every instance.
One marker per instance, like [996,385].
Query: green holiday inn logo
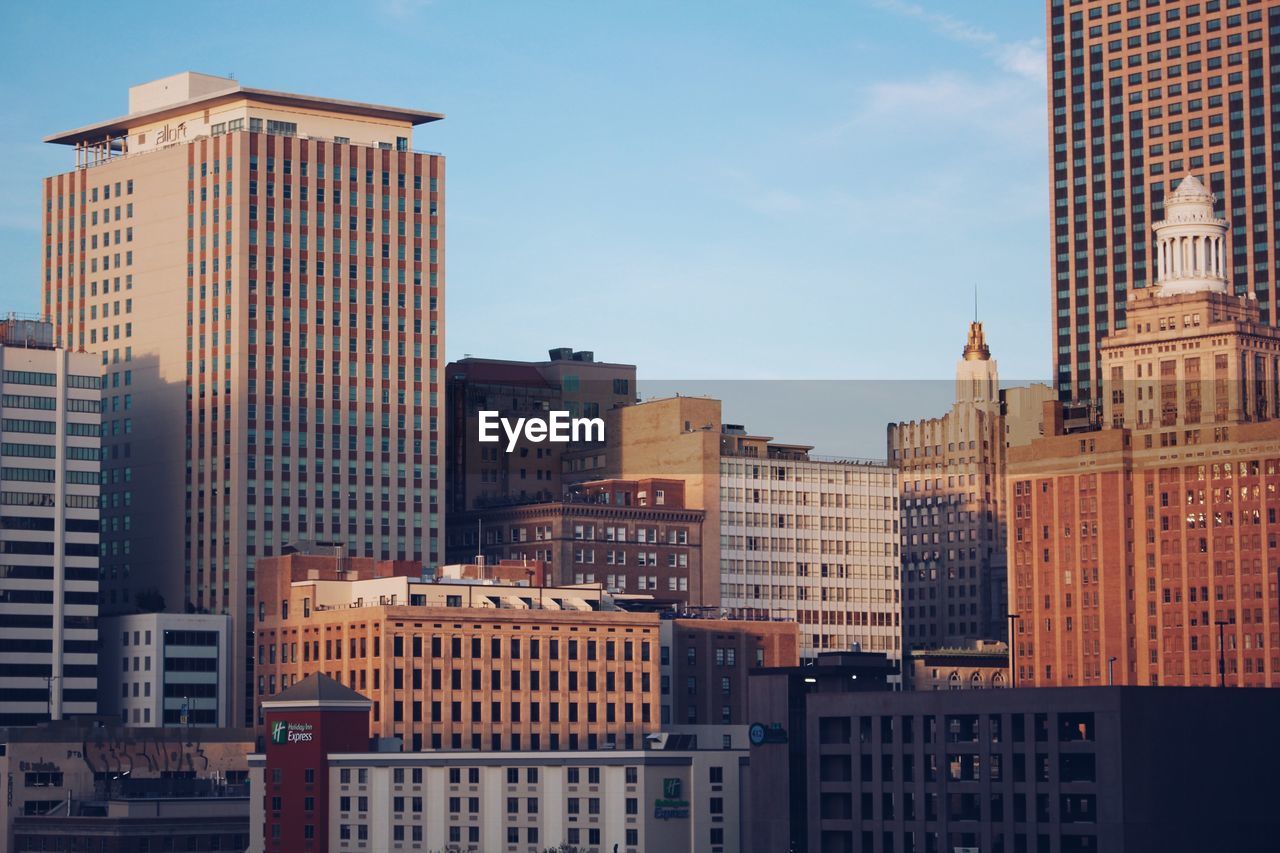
[283,732]
[672,805]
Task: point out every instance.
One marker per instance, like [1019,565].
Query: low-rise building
[189,814]
[777,807]
[977,665]
[522,570]
[166,669]
[97,760]
[705,661]
[1102,769]
[319,792]
[465,664]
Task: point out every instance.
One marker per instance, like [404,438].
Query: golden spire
[976,349]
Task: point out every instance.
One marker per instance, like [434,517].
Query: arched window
[975,681]
[953,683]
[997,680]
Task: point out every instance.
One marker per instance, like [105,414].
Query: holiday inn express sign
[672,804]
[283,732]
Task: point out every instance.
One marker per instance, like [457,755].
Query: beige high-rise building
[262,273]
[953,518]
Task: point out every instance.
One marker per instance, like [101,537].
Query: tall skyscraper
[951,472]
[49,420]
[1145,552]
[1142,93]
[262,273]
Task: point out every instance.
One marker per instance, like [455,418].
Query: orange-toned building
[1145,552]
[461,664]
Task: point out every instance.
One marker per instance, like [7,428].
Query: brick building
[632,536]
[1148,547]
[705,662]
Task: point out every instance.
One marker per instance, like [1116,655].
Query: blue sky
[706,189]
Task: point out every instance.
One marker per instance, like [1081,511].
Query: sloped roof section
[319,689]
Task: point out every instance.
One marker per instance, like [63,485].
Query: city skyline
[541,144]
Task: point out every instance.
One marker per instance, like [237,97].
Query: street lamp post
[1013,650]
[48,695]
[1222,651]
[1111,670]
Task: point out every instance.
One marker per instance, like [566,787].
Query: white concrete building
[50,427]
[812,540]
[155,665]
[672,800]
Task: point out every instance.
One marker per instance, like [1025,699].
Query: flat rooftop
[184,93]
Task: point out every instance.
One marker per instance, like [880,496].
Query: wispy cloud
[1022,58]
[959,101]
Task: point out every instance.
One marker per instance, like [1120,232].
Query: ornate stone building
[950,471]
[1149,546]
